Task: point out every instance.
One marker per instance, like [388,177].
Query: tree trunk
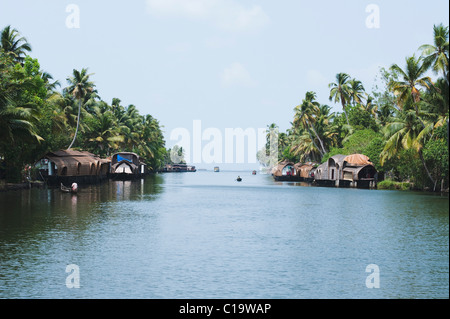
[315,144]
[345,112]
[78,124]
[320,140]
[426,168]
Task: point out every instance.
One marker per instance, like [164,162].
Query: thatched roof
[321,172]
[278,170]
[75,163]
[357,160]
[355,171]
[337,159]
[303,169]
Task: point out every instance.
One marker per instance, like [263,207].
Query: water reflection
[204,235]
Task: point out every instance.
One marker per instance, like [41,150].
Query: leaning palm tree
[305,115]
[340,91]
[79,87]
[437,54]
[13,44]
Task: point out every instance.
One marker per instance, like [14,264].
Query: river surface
[204,235]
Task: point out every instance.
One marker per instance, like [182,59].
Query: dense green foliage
[402,125]
[36,118]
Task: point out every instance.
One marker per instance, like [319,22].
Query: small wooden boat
[73,189]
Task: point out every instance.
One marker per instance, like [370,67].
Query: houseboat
[178,168]
[285,172]
[354,170]
[290,172]
[127,166]
[70,166]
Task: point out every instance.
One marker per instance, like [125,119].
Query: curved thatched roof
[75,163]
[357,160]
[321,172]
[278,170]
[303,170]
[355,171]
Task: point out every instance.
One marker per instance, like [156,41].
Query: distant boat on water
[216,169]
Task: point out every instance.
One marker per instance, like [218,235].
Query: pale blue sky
[228,63]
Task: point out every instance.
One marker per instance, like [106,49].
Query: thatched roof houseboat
[346,171]
[306,171]
[285,172]
[70,166]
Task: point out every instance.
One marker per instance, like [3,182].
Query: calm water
[203,235]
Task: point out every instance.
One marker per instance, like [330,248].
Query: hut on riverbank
[70,166]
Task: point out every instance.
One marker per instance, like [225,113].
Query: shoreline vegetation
[37,118]
[402,125]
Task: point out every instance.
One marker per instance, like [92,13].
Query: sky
[222,63]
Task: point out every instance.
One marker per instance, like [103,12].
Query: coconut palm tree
[341,91]
[437,55]
[413,78]
[16,122]
[79,88]
[406,132]
[13,44]
[305,115]
[104,133]
[357,91]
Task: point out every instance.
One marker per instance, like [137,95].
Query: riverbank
[5,187]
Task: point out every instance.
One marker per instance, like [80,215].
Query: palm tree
[302,145]
[305,116]
[357,91]
[437,55]
[16,122]
[105,133]
[406,132]
[413,78]
[79,88]
[13,44]
[341,91]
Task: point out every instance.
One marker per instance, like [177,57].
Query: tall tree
[437,54]
[13,44]
[406,132]
[79,87]
[305,116]
[341,92]
[408,90]
[356,91]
